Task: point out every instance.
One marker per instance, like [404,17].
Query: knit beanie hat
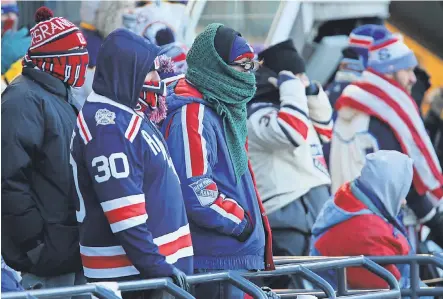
[177,53]
[388,53]
[231,47]
[283,57]
[361,39]
[57,47]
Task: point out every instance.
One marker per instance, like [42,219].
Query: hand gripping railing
[414,292]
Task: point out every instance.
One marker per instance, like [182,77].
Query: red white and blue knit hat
[360,40]
[388,53]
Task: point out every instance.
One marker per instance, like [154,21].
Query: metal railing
[304,267]
[414,292]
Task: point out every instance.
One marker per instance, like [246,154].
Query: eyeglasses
[249,66]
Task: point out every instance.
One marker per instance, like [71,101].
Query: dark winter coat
[39,229]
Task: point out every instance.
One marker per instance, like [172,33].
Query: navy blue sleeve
[387,140]
[116,167]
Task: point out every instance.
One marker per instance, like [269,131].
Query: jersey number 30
[106,167]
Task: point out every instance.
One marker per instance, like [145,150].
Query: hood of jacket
[182,93]
[384,182]
[123,62]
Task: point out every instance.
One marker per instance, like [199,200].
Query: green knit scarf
[225,89]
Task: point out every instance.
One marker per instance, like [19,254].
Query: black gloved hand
[247,231]
[179,279]
[312,89]
[436,226]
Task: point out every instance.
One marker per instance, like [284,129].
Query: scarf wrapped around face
[225,89]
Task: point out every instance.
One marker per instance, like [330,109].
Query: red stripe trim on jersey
[134,126]
[325,132]
[105,262]
[83,128]
[231,207]
[295,123]
[195,139]
[174,246]
[126,212]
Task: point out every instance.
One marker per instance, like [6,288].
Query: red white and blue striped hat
[389,54]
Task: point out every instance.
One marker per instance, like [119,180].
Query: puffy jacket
[284,144]
[220,210]
[39,230]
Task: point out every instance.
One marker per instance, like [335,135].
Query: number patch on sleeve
[107,167]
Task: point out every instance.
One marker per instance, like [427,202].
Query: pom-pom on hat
[361,39]
[54,34]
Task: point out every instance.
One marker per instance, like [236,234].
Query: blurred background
[319,29]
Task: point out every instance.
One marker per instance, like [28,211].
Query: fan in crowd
[39,229]
[287,119]
[377,112]
[206,132]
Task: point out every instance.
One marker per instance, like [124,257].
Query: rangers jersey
[131,212]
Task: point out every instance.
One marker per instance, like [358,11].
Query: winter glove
[247,231]
[14,46]
[179,279]
[292,91]
[320,109]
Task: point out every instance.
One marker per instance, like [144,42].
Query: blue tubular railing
[97,290]
[295,270]
[286,265]
[378,270]
[101,291]
[414,292]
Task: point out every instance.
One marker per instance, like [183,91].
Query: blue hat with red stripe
[389,54]
[360,40]
[231,46]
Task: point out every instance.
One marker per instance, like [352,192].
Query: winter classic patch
[104,117]
[206,191]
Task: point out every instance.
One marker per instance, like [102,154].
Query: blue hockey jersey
[132,217]
[218,207]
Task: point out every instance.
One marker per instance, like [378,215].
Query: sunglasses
[249,66]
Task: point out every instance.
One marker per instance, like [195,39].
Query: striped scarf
[383,98]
